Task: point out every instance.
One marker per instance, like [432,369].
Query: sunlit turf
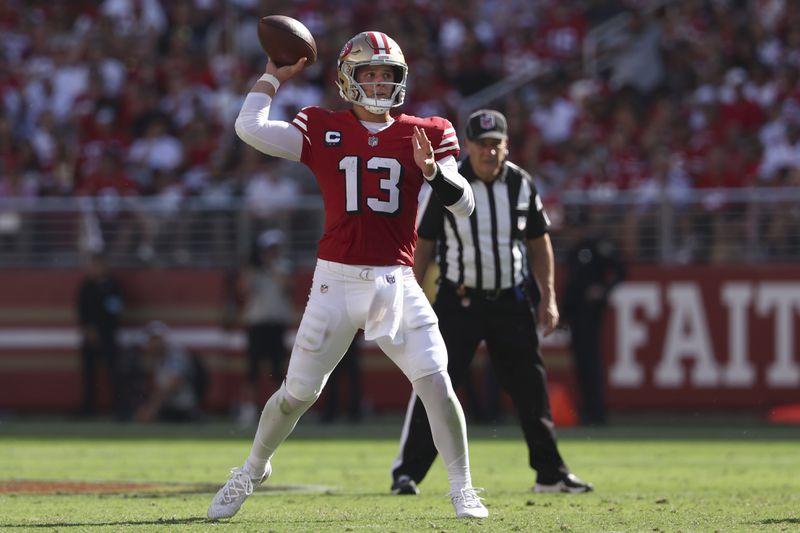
[337,479]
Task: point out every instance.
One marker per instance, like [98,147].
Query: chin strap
[374,108]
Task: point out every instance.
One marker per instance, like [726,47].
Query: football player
[369,166]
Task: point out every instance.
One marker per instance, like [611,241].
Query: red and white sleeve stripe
[448,145]
[300,121]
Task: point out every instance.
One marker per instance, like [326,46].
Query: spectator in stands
[157,151]
[661,194]
[779,225]
[139,17]
[101,131]
[554,115]
[739,113]
[165,225]
[639,63]
[599,11]
[721,219]
[43,139]
[783,153]
[108,177]
[270,197]
[299,93]
[15,185]
[117,222]
[560,39]
[217,221]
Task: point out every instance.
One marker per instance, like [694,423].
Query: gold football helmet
[371,48]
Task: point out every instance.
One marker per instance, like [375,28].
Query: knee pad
[289,404]
[302,390]
[434,386]
[439,380]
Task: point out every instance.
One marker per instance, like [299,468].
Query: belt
[362,272]
[483,294]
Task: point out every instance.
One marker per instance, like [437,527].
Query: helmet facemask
[362,51]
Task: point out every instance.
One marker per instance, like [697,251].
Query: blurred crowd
[137,98]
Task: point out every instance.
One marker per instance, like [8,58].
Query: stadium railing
[749,225]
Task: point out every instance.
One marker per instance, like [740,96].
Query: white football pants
[337,307]
[339,303]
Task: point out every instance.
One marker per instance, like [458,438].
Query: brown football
[285,40]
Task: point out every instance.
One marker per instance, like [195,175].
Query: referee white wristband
[272,80]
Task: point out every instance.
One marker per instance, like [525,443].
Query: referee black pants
[509,329]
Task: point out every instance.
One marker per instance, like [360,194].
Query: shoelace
[239,484]
[469,497]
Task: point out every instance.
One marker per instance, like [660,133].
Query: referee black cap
[487,124]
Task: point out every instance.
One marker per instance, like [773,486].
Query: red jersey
[369,182]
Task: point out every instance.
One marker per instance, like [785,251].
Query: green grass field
[335,478]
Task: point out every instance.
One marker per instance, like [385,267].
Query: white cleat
[468,504]
[231,496]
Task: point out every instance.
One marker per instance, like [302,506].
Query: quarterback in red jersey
[370,199]
[370,167]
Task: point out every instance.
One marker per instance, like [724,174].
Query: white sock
[278,419]
[448,426]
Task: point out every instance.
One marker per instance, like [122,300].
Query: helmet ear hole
[398,73]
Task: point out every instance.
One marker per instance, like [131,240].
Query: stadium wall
[685,338]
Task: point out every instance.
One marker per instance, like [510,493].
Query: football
[285,40]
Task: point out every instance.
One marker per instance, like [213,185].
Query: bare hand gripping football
[286,40]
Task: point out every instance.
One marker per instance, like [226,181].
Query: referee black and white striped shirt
[487,250]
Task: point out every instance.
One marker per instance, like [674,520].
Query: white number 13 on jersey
[390,168]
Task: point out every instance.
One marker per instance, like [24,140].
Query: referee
[484,294]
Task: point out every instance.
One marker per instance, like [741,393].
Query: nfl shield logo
[390,279]
[372,141]
[487,122]
[323,288]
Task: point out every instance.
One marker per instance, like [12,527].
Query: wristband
[436,172]
[449,192]
[272,80]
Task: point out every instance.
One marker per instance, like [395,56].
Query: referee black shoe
[404,485]
[569,483]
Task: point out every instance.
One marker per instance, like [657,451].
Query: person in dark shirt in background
[593,269]
[99,305]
